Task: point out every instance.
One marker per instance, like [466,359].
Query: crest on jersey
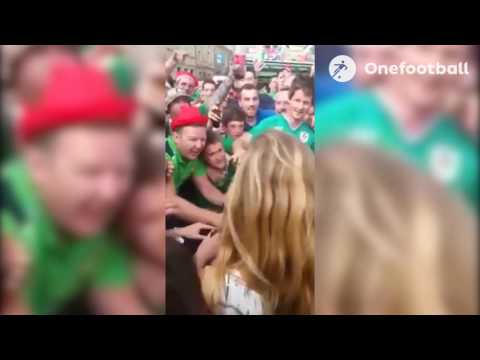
[444,162]
[303,136]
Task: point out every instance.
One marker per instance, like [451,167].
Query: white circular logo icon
[342,68]
[303,137]
[444,163]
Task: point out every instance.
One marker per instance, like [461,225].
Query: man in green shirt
[75,170]
[292,122]
[219,170]
[404,115]
[183,148]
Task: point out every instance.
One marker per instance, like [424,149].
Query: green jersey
[444,151]
[228,144]
[303,132]
[183,168]
[62,265]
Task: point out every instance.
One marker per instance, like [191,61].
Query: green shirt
[222,185]
[183,168]
[278,122]
[444,151]
[62,265]
[228,144]
[203,108]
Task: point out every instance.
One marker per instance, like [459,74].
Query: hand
[15,262]
[193,231]
[258,66]
[179,56]
[215,114]
[237,157]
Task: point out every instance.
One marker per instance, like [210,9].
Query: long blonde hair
[389,239]
[268,230]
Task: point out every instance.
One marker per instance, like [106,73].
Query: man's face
[176,106]
[215,157]
[249,78]
[190,140]
[299,106]
[185,84]
[207,91]
[364,54]
[249,102]
[281,102]
[429,90]
[145,220]
[235,129]
[83,176]
[274,85]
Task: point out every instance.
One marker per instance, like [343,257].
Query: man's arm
[189,212]
[14,265]
[117,301]
[180,207]
[177,57]
[210,192]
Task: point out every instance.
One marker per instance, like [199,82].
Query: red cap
[75,93]
[189,74]
[189,116]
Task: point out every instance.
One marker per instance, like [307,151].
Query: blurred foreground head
[145,211]
[389,240]
[25,67]
[426,91]
[77,146]
[268,229]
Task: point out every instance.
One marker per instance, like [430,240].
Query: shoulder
[345,105]
[271,119]
[265,113]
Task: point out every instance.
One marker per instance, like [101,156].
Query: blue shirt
[261,114]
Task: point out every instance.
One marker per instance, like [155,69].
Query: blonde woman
[265,258]
[389,240]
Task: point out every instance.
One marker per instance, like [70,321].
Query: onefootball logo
[342,68]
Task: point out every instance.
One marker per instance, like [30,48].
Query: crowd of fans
[130,186]
[240,191]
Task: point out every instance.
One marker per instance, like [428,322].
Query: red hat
[189,116]
[74,93]
[189,74]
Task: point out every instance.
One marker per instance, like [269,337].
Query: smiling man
[182,150]
[67,186]
[249,102]
[292,121]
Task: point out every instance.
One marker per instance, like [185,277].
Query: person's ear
[176,135]
[37,161]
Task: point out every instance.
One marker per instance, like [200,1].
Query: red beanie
[75,93]
[189,116]
[189,74]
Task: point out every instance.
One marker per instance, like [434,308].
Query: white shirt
[238,299]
